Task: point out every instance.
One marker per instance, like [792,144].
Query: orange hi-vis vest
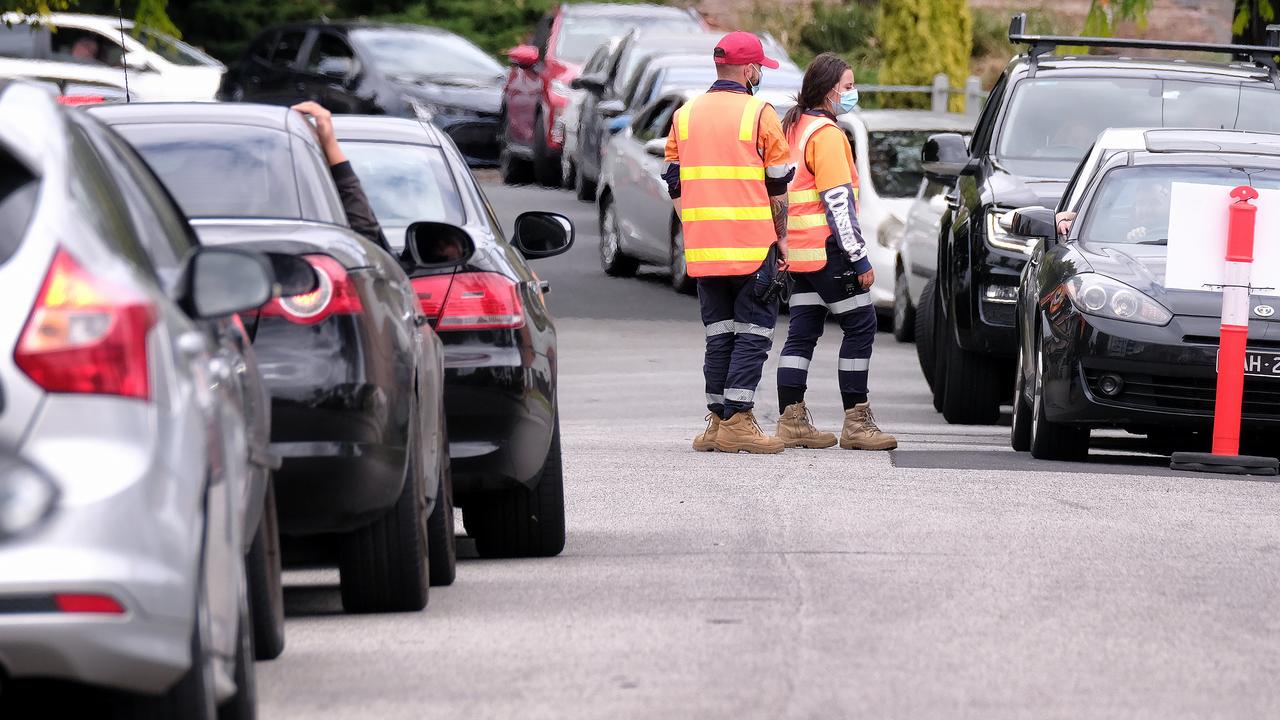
[807,229]
[728,226]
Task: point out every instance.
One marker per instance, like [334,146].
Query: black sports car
[355,374]
[499,339]
[1103,340]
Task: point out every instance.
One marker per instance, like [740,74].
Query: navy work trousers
[833,289]
[739,327]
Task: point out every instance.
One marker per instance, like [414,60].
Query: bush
[921,38]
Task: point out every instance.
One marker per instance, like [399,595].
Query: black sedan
[378,69]
[1104,339]
[499,338]
[355,374]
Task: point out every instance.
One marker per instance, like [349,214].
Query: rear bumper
[332,486]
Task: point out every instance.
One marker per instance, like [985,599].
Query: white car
[886,150]
[93,48]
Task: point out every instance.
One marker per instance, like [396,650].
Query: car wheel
[680,279]
[586,190]
[1020,429]
[265,586]
[925,332]
[522,522]
[612,260]
[546,166]
[972,386]
[442,538]
[904,314]
[244,704]
[1049,440]
[383,567]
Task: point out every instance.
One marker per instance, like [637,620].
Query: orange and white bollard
[1234,336]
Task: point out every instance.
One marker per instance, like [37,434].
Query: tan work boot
[706,440]
[861,433]
[741,433]
[796,430]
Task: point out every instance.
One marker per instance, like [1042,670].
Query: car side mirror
[540,234]
[293,275]
[593,83]
[524,56]
[336,68]
[656,147]
[1034,222]
[222,281]
[611,108]
[945,157]
[618,124]
[433,245]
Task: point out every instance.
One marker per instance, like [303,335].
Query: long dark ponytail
[824,73]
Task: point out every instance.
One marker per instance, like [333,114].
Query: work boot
[706,440]
[795,428]
[741,433]
[861,433]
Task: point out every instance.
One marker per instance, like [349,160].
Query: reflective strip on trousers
[723,327]
[715,399]
[795,362]
[740,328]
[800,299]
[855,364]
[853,303]
[739,395]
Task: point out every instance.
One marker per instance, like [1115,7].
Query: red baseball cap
[742,48]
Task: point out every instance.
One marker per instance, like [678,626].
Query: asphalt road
[950,578]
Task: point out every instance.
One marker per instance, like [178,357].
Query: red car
[537,88]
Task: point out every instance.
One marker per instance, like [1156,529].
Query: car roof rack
[1262,55]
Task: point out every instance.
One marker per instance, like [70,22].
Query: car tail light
[83,603]
[81,99]
[86,336]
[335,294]
[470,301]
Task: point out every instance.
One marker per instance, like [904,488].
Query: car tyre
[546,166]
[383,567]
[972,386]
[522,522]
[925,332]
[265,586]
[680,279]
[442,537]
[1050,440]
[1020,428]
[614,262]
[904,313]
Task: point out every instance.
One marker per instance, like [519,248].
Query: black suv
[1039,121]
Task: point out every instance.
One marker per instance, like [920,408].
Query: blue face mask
[755,87]
[848,100]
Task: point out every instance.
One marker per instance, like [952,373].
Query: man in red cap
[729,167]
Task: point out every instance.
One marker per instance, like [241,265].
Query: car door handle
[544,286]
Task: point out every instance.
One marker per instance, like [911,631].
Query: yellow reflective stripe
[721,172]
[804,222]
[695,255]
[803,196]
[682,120]
[806,254]
[747,128]
[727,213]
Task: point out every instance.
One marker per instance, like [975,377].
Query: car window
[932,188]
[174,50]
[405,184]
[317,195]
[658,123]
[19,41]
[96,193]
[330,55]
[19,190]
[262,47]
[894,159]
[415,54]
[284,50]
[581,34]
[84,46]
[598,61]
[221,170]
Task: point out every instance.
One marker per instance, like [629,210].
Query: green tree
[921,38]
[1251,20]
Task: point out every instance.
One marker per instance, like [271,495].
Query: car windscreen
[681,78]
[1132,204]
[413,54]
[405,184]
[1051,122]
[174,50]
[581,34]
[894,159]
[19,191]
[221,171]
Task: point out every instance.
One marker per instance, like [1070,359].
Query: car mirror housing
[293,275]
[656,147]
[524,56]
[611,108]
[1032,222]
[337,68]
[540,234]
[434,245]
[618,124]
[945,157]
[221,281]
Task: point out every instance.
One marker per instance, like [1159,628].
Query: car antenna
[128,97]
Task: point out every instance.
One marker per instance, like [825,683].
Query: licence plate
[1262,364]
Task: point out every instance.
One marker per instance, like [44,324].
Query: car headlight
[26,496]
[890,233]
[997,236]
[1100,295]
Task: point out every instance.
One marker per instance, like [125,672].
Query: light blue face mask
[848,100]
[755,87]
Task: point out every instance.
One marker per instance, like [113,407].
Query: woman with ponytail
[828,261]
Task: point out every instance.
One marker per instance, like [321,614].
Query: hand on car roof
[323,121]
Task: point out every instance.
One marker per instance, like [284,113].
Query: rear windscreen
[221,171]
[18,192]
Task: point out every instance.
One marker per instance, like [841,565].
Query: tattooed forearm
[778,205]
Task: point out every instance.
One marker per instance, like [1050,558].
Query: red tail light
[81,99]
[470,301]
[81,603]
[335,295]
[85,336]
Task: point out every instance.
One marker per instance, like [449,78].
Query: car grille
[998,313]
[1186,394]
[476,139]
